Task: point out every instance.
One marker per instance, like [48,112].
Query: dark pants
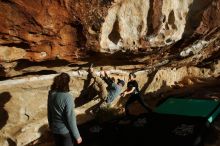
[63,140]
[133,98]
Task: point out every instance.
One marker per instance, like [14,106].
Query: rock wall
[173,46]
[124,25]
[63,29]
[24,101]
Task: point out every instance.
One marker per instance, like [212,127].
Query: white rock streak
[80,73]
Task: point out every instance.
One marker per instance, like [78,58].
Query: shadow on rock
[4,98]
[11,142]
[45,139]
[87,94]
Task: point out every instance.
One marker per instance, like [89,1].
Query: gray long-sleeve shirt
[61,115]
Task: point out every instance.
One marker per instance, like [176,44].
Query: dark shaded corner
[87,93]
[11,142]
[194,16]
[4,98]
[150,79]
[46,137]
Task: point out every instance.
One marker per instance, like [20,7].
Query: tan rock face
[69,29]
[124,25]
[8,54]
[23,102]
[173,22]
[85,31]
[169,43]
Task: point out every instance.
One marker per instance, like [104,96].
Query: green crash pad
[204,108]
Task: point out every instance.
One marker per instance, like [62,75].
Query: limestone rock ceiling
[172,45]
[148,32]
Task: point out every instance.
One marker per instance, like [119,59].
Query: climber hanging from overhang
[106,87]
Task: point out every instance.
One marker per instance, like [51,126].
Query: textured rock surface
[174,46]
[68,30]
[124,25]
[24,100]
